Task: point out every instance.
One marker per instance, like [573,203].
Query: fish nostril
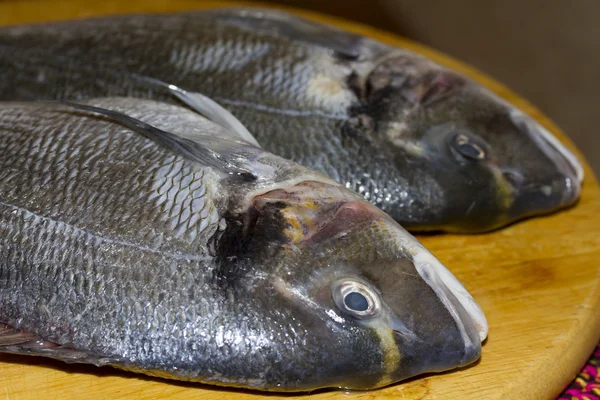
[514,177]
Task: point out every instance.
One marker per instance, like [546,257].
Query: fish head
[369,305]
[486,162]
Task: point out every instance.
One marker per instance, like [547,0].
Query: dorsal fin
[197,150]
[207,107]
[214,111]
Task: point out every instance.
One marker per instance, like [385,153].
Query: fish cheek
[475,204]
[345,354]
[372,342]
[368,360]
[359,353]
[355,359]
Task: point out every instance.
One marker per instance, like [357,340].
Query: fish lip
[448,288]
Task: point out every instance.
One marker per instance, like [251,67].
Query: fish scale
[80,240]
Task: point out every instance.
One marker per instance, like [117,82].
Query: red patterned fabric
[587,384]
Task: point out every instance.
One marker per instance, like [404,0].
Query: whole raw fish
[425,144]
[164,247]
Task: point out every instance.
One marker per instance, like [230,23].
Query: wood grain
[538,281]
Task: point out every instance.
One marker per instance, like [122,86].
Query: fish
[427,145]
[137,234]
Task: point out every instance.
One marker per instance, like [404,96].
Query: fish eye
[468,149]
[356,299]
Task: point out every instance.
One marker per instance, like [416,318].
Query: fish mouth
[468,316]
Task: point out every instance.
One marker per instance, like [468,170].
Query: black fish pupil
[356,301]
[469,150]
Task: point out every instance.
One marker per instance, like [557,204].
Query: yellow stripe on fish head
[506,191]
[390,351]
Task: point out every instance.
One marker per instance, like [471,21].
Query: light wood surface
[538,281]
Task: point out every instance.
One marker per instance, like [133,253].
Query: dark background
[548,51]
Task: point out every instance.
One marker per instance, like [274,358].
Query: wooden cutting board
[538,281]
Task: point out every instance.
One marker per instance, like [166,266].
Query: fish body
[136,234]
[427,145]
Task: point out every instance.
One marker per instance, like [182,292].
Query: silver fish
[136,234]
[425,144]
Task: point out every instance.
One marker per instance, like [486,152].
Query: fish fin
[215,112]
[15,341]
[346,45]
[207,107]
[206,150]
[11,336]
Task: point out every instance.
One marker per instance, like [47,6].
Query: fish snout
[555,183]
[435,349]
[457,345]
[564,190]
[539,197]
